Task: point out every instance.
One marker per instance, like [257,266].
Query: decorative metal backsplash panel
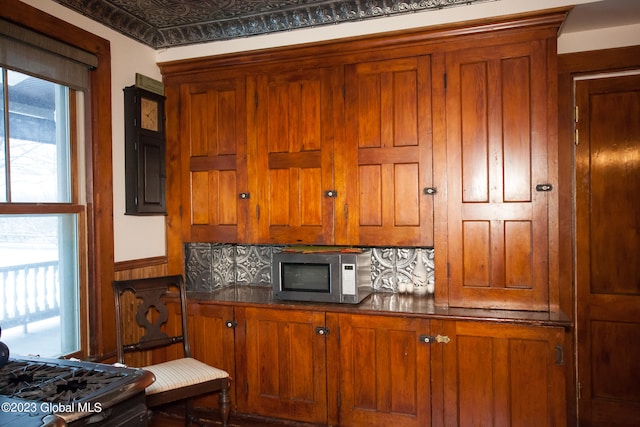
[212,266]
[389,266]
[253,264]
[168,23]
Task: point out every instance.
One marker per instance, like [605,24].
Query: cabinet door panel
[284,363]
[214,159]
[500,375]
[294,116]
[389,137]
[496,106]
[212,342]
[384,370]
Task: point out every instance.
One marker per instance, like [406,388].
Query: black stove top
[46,391]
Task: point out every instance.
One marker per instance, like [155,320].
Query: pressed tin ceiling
[169,23]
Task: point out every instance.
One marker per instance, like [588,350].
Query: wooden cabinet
[498,375]
[318,367]
[384,371]
[212,341]
[342,367]
[214,173]
[291,127]
[282,363]
[347,143]
[441,137]
[499,100]
[386,163]
[268,157]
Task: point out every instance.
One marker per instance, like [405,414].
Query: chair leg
[225,405]
[188,415]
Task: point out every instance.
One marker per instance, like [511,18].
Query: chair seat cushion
[181,373]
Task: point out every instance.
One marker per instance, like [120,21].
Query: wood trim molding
[617,59]
[319,51]
[140,263]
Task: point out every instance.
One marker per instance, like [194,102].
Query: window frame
[98,342]
[74,206]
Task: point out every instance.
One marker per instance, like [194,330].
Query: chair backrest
[145,301]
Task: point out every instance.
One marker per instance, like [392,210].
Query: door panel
[212,342]
[215,158]
[497,139]
[499,375]
[608,244]
[385,375]
[294,125]
[284,361]
[387,163]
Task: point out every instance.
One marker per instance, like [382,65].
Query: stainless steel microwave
[333,277]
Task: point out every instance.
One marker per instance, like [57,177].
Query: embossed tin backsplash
[212,266]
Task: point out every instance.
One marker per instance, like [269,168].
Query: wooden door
[608,250]
[281,364]
[214,157]
[212,342]
[498,375]
[497,101]
[385,371]
[386,158]
[291,127]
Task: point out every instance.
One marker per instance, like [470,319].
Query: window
[81,61]
[41,216]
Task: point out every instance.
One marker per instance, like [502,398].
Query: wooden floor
[173,416]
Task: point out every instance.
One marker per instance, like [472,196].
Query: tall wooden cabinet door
[283,362]
[213,151]
[497,161]
[212,340]
[386,160]
[499,375]
[292,128]
[385,373]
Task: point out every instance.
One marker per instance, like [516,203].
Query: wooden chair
[180,379]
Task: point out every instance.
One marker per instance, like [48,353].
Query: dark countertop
[390,304]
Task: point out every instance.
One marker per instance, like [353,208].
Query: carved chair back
[148,300]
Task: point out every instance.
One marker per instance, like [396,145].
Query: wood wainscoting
[141,268]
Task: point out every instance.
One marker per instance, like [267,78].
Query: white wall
[143,237]
[134,237]
[603,38]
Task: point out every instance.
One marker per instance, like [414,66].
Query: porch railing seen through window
[29,293]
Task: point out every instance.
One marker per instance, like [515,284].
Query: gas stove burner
[71,386]
[74,392]
[51,382]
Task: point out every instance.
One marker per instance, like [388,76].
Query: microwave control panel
[348,279]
